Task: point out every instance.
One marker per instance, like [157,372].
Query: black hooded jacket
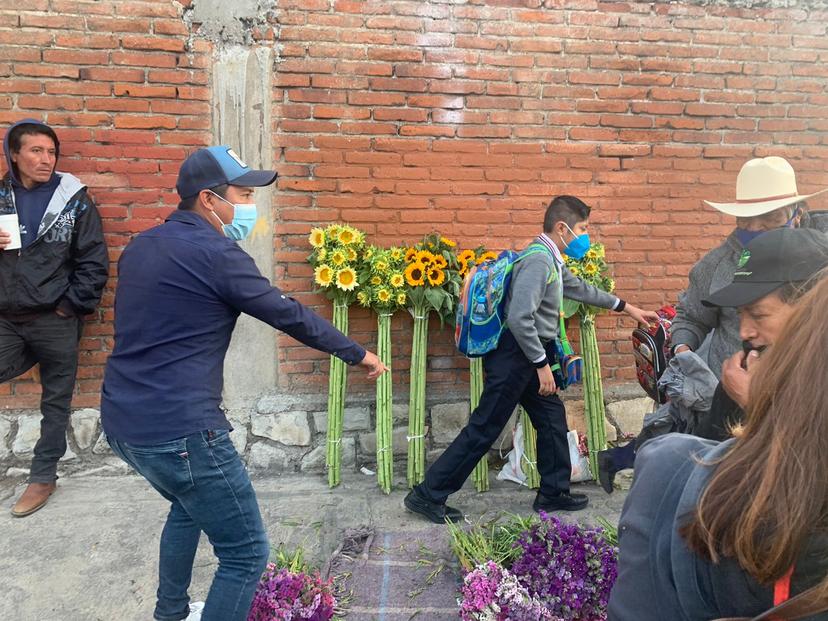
[66,266]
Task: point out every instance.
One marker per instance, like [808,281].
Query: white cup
[10,224]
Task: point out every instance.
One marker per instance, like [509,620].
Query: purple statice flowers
[569,568]
[283,595]
[492,593]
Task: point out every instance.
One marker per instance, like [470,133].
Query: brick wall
[404,116]
[129,97]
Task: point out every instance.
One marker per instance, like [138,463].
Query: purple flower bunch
[569,568]
[492,593]
[283,595]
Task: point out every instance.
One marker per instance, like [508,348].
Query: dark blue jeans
[207,484]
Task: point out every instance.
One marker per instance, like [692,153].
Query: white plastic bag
[580,463]
[512,470]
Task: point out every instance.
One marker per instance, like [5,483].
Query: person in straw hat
[766,198]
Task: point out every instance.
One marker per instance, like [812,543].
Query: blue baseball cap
[214,166]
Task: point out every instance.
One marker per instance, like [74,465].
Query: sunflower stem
[593,391]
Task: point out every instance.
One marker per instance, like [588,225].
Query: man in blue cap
[181,287]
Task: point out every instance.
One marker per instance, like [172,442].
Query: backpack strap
[535,248]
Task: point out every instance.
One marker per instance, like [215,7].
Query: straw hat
[764,184]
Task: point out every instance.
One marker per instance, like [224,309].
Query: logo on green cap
[744,258]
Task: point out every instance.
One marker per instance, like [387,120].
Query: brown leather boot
[35,496]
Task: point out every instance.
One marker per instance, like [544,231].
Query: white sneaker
[195,611]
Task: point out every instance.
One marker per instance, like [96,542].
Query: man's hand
[5,239]
[641,316]
[547,382]
[680,348]
[736,373]
[373,364]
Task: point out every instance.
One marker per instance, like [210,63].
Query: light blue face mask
[244,219]
[578,247]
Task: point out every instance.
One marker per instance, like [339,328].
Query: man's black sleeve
[724,414]
[89,261]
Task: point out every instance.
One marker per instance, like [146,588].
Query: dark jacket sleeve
[242,286]
[89,259]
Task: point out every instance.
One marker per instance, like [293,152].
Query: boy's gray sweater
[533,306]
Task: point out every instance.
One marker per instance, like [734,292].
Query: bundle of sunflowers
[335,259]
[381,284]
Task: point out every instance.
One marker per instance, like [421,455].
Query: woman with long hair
[714,530]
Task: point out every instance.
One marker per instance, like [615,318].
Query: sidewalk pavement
[91,553]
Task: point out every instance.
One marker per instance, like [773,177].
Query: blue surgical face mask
[745,237]
[578,247]
[244,219]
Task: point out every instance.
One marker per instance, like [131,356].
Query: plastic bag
[512,471]
[580,463]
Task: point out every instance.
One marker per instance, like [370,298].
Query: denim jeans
[52,341]
[207,484]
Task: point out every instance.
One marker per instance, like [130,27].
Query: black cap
[773,259]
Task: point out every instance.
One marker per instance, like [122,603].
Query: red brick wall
[129,98]
[405,116]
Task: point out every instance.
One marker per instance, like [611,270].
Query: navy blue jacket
[181,287]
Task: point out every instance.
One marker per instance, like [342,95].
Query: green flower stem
[593,391]
[385,455]
[481,470]
[529,460]
[336,400]
[416,402]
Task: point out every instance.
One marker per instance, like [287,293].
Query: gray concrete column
[241,119]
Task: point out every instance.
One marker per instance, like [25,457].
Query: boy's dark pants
[510,379]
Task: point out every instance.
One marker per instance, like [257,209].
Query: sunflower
[376,280]
[321,253]
[317,237]
[333,231]
[592,254]
[590,269]
[401,299]
[610,285]
[599,250]
[466,256]
[576,270]
[384,295]
[410,255]
[486,256]
[424,257]
[440,261]
[396,254]
[347,236]
[323,275]
[352,254]
[448,242]
[415,274]
[369,252]
[464,267]
[364,298]
[381,266]
[397,280]
[436,277]
[338,258]
[346,279]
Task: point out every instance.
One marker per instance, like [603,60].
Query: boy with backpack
[520,369]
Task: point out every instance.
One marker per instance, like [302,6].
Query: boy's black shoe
[561,502]
[433,511]
[606,471]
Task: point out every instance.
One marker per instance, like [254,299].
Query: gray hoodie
[534,300]
[694,321]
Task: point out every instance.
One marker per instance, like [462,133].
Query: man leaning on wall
[53,268]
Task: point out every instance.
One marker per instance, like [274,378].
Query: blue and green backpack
[481,312]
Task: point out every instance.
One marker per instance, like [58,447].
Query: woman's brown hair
[770,492]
